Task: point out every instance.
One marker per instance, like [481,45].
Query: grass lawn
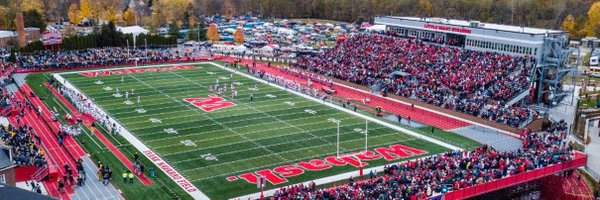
[274,129]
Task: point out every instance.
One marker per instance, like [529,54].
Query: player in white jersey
[138,99]
[126,94]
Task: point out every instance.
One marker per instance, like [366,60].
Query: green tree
[34,18]
[192,33]
[202,28]
[173,30]
[12,57]
[109,36]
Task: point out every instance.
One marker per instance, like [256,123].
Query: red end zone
[134,70]
[279,174]
[210,103]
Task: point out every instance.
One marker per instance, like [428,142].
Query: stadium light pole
[366,134]
[338,138]
[337,121]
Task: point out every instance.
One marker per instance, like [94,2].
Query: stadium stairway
[86,120]
[416,114]
[575,189]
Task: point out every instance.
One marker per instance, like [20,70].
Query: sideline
[124,160]
[434,111]
[190,188]
[173,174]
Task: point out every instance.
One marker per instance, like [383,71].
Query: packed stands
[92,57]
[449,171]
[473,82]
[23,144]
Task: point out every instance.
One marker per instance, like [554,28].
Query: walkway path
[94,189]
[499,141]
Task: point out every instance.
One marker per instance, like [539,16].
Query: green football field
[276,128]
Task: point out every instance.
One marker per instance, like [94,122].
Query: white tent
[5,34]
[230,30]
[241,49]
[135,30]
[284,31]
[265,51]
[376,28]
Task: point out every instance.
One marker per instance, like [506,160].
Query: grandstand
[426,110]
[548,48]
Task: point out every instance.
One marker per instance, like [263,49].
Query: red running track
[99,135]
[416,114]
[57,154]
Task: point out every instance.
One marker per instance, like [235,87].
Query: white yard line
[211,119]
[248,133]
[178,116]
[259,111]
[271,145]
[140,146]
[291,161]
[401,129]
[188,116]
[173,174]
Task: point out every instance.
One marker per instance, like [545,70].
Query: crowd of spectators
[474,82]
[23,144]
[95,56]
[452,170]
[290,84]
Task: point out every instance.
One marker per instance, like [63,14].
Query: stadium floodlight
[337,121]
[366,135]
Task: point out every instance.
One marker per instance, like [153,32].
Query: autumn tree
[5,20]
[28,5]
[568,25]
[84,9]
[425,8]
[227,10]
[170,11]
[212,34]
[129,16]
[73,14]
[593,19]
[238,36]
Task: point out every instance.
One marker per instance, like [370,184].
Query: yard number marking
[209,156]
[188,143]
[155,120]
[170,131]
[310,111]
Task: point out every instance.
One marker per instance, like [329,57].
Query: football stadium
[158,100]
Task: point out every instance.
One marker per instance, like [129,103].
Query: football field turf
[226,137]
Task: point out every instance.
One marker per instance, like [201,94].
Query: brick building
[7,169]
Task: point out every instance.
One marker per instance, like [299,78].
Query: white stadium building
[548,47]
